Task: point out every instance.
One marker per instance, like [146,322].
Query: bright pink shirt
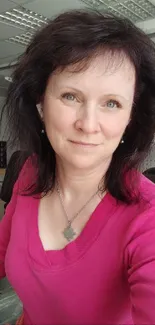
[106,276]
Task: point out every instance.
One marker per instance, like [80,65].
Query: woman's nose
[88,121]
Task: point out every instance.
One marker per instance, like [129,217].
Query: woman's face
[86,113]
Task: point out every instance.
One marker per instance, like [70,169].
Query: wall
[150,160]
[3,137]
[3,131]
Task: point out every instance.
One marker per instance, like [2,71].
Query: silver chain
[63,206]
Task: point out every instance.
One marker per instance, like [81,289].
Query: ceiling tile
[9,49]
[51,8]
[6,5]
[7,31]
[21,2]
[148,26]
[6,72]
[9,59]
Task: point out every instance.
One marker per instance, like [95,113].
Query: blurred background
[19,19]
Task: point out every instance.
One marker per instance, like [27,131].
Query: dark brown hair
[74,37]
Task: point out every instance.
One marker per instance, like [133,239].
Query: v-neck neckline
[74,250]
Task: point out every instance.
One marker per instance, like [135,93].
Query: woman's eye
[69,96]
[113,104]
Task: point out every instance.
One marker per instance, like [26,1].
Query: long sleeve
[26,178]
[5,229]
[141,269]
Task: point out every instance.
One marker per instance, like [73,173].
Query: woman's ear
[40,110]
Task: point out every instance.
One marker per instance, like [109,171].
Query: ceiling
[19,19]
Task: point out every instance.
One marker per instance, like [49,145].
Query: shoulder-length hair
[72,38]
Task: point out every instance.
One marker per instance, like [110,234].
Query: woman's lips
[86,144]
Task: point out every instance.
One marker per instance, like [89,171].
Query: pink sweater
[106,276]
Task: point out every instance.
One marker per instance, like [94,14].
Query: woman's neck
[75,183]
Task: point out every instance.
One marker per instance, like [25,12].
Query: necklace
[68,232]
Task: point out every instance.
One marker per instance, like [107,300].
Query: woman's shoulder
[144,204]
[143,211]
[147,189]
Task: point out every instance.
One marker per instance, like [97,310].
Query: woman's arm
[140,257]
[5,229]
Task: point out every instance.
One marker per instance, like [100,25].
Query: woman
[77,241]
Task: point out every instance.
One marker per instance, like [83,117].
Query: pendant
[69,233]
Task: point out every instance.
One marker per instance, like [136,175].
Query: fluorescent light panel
[23,18]
[136,10]
[22,39]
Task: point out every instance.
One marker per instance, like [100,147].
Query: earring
[122,141]
[42,131]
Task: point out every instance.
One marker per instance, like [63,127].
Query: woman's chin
[82,163]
